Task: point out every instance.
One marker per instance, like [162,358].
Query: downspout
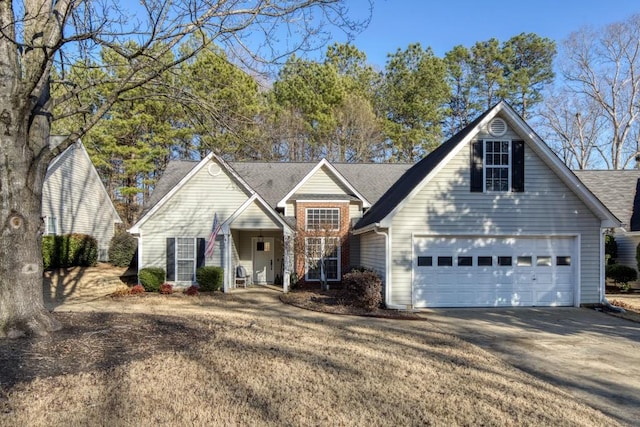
[605,304]
[387,269]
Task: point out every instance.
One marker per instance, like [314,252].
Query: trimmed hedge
[69,250]
[151,278]
[363,288]
[209,278]
[122,248]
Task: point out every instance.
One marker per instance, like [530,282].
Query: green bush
[621,274]
[209,278]
[151,278]
[363,289]
[122,248]
[69,250]
[610,248]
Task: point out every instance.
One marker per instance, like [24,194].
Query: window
[185,259]
[51,225]
[319,249]
[524,261]
[504,261]
[323,219]
[543,261]
[445,261]
[563,260]
[425,261]
[497,161]
[485,261]
[465,261]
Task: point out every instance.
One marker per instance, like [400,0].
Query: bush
[192,290]
[363,289]
[610,249]
[151,278]
[166,288]
[122,248]
[121,291]
[69,250]
[621,275]
[209,278]
[137,289]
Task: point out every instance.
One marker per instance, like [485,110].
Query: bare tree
[315,249]
[602,68]
[41,38]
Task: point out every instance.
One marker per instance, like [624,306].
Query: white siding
[627,244]
[322,182]
[446,206]
[372,253]
[189,213]
[73,193]
[254,216]
[355,210]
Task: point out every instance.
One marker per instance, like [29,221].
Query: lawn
[247,359]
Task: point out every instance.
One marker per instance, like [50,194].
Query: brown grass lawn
[247,359]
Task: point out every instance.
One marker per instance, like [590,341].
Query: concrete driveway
[593,356]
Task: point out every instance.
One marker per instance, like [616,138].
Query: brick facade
[343,234]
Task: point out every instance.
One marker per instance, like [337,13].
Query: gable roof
[61,158]
[416,177]
[619,190]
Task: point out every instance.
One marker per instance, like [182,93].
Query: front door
[262,260]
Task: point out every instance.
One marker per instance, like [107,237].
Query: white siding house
[74,199]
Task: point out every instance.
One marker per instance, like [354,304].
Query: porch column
[226,261]
[288,261]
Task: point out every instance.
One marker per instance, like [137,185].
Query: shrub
[363,289]
[122,248]
[121,291]
[610,249]
[191,290]
[166,288]
[151,278]
[621,275]
[69,250]
[137,289]
[209,278]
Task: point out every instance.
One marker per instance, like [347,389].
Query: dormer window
[497,165]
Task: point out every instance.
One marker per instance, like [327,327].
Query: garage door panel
[491,272]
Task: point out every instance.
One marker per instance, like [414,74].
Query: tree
[601,68]
[40,36]
[413,97]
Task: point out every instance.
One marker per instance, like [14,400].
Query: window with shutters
[497,165]
[185,259]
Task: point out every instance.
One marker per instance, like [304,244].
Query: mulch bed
[335,302]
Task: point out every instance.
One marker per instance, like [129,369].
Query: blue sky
[445,24]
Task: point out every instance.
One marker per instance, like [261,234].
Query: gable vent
[497,127]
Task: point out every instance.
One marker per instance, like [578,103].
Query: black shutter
[200,259]
[477,154]
[171,259]
[517,166]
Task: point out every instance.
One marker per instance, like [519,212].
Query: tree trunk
[23,161]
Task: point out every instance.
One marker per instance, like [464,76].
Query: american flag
[212,238]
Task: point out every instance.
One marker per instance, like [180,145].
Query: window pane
[184,271]
[465,261]
[504,260]
[331,269]
[543,261]
[563,260]
[323,219]
[485,261]
[524,261]
[445,261]
[425,261]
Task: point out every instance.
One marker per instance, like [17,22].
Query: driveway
[593,356]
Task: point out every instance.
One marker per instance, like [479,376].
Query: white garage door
[492,272]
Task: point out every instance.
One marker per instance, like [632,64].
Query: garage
[498,271]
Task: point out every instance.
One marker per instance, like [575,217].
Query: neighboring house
[619,191]
[74,199]
[491,218]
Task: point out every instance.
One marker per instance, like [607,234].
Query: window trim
[306,218]
[486,166]
[47,230]
[194,242]
[337,258]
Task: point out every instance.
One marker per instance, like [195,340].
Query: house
[490,218]
[619,191]
[74,199]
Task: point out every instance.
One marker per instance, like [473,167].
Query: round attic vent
[497,127]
